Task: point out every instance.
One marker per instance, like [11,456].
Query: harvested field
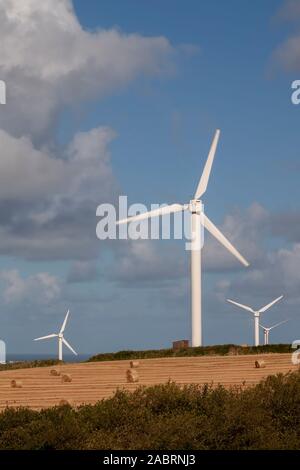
[96,380]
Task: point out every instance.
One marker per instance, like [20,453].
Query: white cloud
[47,205]
[82,271]
[164,262]
[84,172]
[287,54]
[159,263]
[42,288]
[26,172]
[145,261]
[289,11]
[49,61]
[279,274]
[48,194]
[245,229]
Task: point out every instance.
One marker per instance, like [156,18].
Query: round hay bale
[16,383]
[132,375]
[134,364]
[54,372]
[232,351]
[66,378]
[260,364]
[65,402]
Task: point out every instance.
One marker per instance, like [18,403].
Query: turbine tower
[61,339]
[267,330]
[256,314]
[198,219]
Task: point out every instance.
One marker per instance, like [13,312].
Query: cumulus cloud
[245,229]
[82,170]
[82,271]
[286,225]
[279,274]
[289,11]
[287,54]
[49,61]
[146,262]
[48,204]
[27,172]
[41,288]
[49,192]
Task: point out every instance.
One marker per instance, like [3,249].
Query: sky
[118,98]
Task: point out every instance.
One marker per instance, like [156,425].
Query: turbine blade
[277,324]
[241,305]
[155,213]
[63,326]
[202,185]
[46,337]
[69,346]
[222,239]
[263,327]
[266,307]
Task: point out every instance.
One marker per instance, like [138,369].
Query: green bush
[265,416]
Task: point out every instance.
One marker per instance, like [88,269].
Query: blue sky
[157,97]
[166,124]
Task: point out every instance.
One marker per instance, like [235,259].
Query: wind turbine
[61,339]
[198,219]
[256,314]
[267,330]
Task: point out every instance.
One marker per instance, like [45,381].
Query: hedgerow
[218,350]
[167,417]
[29,364]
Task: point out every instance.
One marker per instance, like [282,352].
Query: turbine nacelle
[196,206]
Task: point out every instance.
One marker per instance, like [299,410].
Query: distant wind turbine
[196,208]
[61,339]
[267,330]
[256,314]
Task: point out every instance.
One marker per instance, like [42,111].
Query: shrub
[265,416]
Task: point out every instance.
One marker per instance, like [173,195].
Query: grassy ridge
[29,364]
[166,417]
[218,350]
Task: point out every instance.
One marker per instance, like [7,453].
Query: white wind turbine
[195,207]
[267,330]
[61,339]
[256,314]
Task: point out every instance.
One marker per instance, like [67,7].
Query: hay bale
[233,351]
[244,345]
[65,402]
[134,364]
[15,383]
[132,375]
[260,364]
[54,372]
[66,378]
